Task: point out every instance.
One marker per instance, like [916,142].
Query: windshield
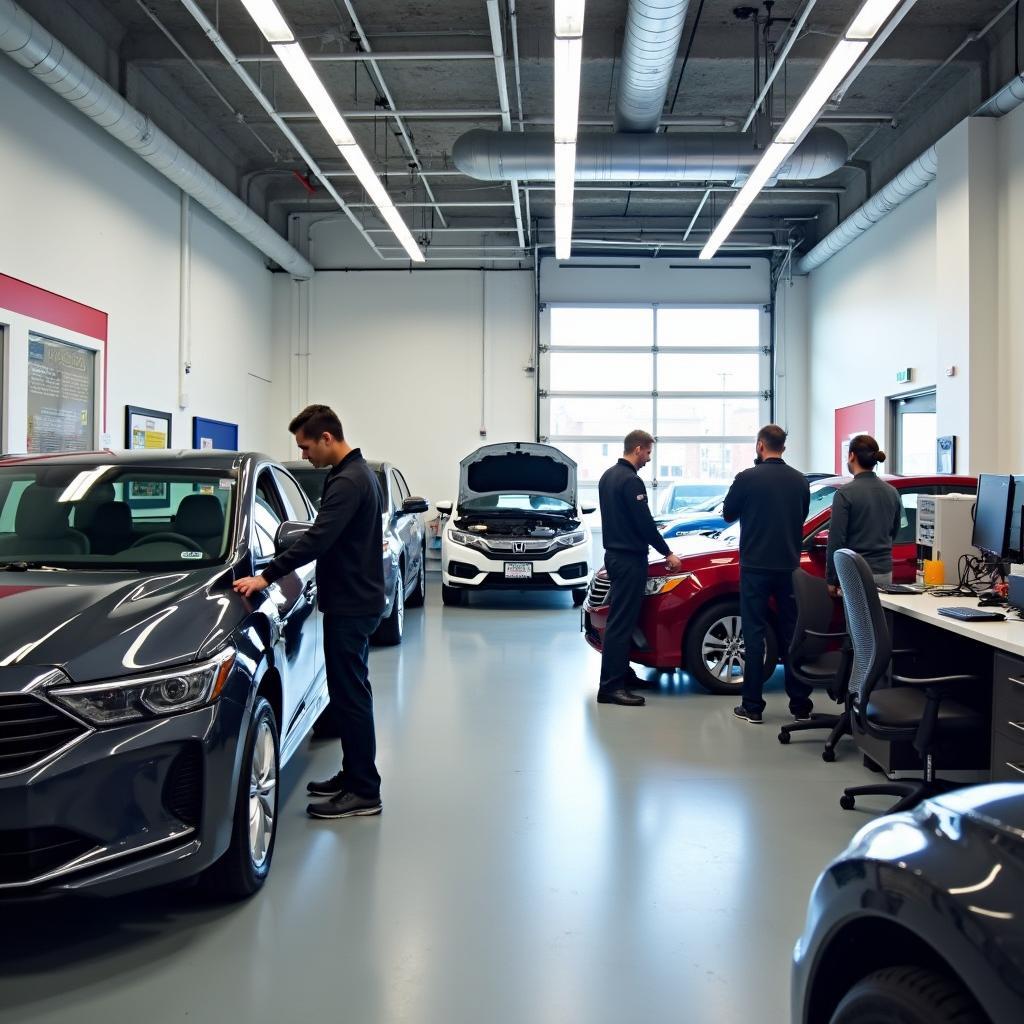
[821,499]
[691,497]
[112,517]
[516,503]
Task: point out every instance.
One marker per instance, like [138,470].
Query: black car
[145,708]
[921,920]
[405,541]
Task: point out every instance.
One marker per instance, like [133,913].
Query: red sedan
[691,619]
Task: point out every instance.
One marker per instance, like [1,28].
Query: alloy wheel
[723,650]
[262,791]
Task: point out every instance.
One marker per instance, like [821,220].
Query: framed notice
[61,396]
[209,434]
[146,428]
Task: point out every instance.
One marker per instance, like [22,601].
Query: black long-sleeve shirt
[771,501]
[626,520]
[866,517]
[346,541]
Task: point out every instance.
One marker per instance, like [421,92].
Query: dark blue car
[703,518]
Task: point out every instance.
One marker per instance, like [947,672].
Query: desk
[1002,667]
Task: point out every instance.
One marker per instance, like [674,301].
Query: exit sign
[904,376]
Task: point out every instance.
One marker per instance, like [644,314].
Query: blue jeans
[346,650]
[757,588]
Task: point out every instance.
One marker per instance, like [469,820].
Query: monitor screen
[992,515]
[1015,549]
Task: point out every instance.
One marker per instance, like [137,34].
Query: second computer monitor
[992,515]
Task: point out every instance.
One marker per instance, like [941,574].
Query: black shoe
[620,696]
[334,786]
[746,715]
[345,805]
[802,716]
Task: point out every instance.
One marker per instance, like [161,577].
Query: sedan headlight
[467,540]
[664,584]
[568,540]
[150,696]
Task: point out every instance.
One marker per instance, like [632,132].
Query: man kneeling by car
[346,542]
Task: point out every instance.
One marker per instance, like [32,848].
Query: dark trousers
[346,649]
[757,588]
[627,574]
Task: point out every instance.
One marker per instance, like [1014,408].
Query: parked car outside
[704,518]
[146,710]
[691,619]
[921,919]
[516,525]
[674,497]
[405,542]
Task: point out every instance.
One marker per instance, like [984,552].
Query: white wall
[400,356]
[83,217]
[871,311]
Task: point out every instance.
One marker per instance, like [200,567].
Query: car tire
[579,595]
[244,867]
[720,624]
[419,592]
[907,995]
[389,632]
[452,597]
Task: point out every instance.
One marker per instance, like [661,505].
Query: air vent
[30,853]
[708,266]
[31,730]
[183,790]
[598,266]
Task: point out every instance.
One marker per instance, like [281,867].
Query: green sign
[904,376]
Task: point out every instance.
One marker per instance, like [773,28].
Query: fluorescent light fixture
[402,233]
[367,176]
[568,63]
[870,18]
[569,18]
[308,81]
[846,53]
[563,232]
[269,20]
[565,173]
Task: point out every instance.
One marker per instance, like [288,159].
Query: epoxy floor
[540,859]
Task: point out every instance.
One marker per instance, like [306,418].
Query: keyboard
[900,588]
[971,614]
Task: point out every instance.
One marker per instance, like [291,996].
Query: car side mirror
[288,533]
[414,507]
[589,510]
[444,507]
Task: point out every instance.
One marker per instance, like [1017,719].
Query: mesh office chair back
[865,623]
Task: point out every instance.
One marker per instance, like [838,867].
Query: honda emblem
[519,546]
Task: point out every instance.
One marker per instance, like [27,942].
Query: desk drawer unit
[1008,719]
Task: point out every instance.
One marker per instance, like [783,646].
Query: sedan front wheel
[715,653]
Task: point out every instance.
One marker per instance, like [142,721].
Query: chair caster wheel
[846,802]
[828,755]
[784,738]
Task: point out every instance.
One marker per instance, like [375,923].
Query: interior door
[915,430]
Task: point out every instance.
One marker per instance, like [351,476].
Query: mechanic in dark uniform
[346,541]
[629,530]
[771,502]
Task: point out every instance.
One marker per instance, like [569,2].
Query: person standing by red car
[771,501]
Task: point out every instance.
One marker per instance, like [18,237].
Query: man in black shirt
[629,530]
[346,541]
[771,502]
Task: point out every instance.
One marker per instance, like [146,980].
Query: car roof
[299,466]
[182,458]
[900,482]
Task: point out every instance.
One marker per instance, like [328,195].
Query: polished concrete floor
[540,859]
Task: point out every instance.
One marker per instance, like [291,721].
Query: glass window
[312,482]
[297,510]
[713,460]
[602,326]
[592,462]
[704,417]
[720,328]
[599,417]
[681,371]
[403,487]
[608,371]
[61,396]
[266,517]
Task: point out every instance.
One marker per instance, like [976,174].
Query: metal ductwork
[1008,98]
[530,156]
[27,43]
[653,31]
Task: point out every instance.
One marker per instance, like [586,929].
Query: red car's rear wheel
[714,652]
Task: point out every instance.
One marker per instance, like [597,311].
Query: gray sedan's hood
[517,467]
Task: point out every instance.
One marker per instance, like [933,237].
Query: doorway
[915,432]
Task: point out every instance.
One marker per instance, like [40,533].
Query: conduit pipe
[27,43]
[184,301]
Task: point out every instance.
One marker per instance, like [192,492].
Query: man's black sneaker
[746,715]
[346,805]
[334,786]
[802,716]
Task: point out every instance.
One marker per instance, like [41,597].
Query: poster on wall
[146,428]
[61,396]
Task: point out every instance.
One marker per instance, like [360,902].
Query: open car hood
[517,467]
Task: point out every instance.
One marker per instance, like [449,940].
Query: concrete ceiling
[927,77]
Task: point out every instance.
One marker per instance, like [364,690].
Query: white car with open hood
[517,524]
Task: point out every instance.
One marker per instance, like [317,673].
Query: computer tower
[945,523]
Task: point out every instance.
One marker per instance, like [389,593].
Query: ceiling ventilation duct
[504,156]
[653,31]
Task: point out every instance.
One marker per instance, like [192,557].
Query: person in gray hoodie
[866,515]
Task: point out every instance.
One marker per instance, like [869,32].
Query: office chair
[911,710]
[814,664]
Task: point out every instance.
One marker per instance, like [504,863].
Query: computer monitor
[1015,551]
[992,514]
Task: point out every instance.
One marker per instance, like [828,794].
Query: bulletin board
[217,434]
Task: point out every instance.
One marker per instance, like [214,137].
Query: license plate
[519,570]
